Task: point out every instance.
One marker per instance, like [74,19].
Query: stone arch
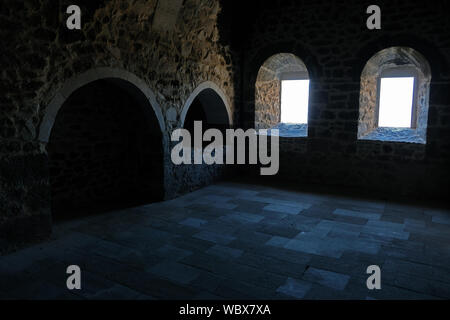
[208,93]
[424,46]
[85,78]
[268,87]
[391,59]
[105,144]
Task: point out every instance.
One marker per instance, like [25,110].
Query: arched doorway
[207,104]
[105,150]
[209,108]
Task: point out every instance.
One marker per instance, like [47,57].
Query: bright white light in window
[396,101]
[294,101]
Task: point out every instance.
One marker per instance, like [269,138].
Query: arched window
[395,88]
[282,95]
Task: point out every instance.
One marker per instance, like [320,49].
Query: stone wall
[334,43]
[41,57]
[267,104]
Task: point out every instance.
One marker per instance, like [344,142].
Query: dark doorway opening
[208,108]
[105,151]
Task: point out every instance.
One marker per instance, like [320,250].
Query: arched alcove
[207,104]
[208,108]
[105,149]
[210,105]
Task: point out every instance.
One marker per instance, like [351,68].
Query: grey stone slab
[179,202]
[243,217]
[382,239]
[431,287]
[387,292]
[144,297]
[315,246]
[357,214]
[333,247]
[268,200]
[207,281]
[283,254]
[274,221]
[283,209]
[216,198]
[326,278]
[392,218]
[217,204]
[350,263]
[191,244]
[113,250]
[251,275]
[349,220]
[319,292]
[345,234]
[280,230]
[319,230]
[173,228]
[42,290]
[207,296]
[152,285]
[220,226]
[386,225]
[249,206]
[194,222]
[387,233]
[176,272]
[358,204]
[363,246]
[171,253]
[441,219]
[206,262]
[295,288]
[338,225]
[403,209]
[300,223]
[238,290]
[141,237]
[234,189]
[249,240]
[95,287]
[415,224]
[277,241]
[273,264]
[233,270]
[206,211]
[417,270]
[214,237]
[224,252]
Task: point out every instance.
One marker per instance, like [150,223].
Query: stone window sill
[291,130]
[394,135]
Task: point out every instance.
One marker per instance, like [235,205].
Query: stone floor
[236,241]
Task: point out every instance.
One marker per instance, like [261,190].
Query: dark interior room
[224,150]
